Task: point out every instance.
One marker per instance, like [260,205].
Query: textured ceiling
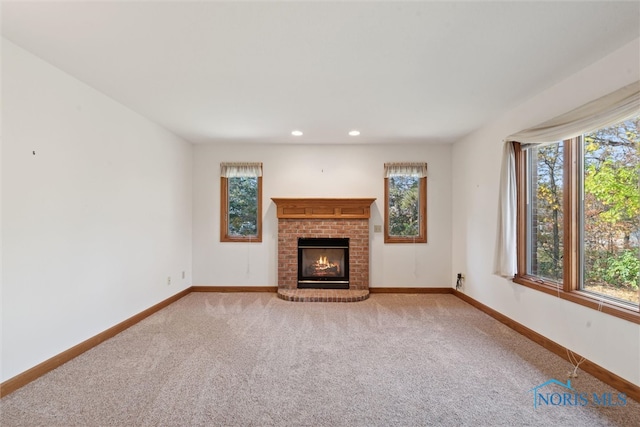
[254,71]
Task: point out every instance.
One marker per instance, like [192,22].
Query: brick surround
[289,230]
[312,226]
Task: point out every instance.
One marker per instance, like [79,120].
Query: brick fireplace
[323,218]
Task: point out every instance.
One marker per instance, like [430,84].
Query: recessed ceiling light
[354,133]
[296,133]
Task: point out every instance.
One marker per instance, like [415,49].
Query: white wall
[320,171]
[606,340]
[93,223]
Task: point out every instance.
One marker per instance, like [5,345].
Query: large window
[241,202]
[579,217]
[405,193]
[610,211]
[545,212]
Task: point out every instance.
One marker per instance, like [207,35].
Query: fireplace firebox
[323,263]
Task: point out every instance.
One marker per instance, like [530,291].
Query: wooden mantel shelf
[323,208]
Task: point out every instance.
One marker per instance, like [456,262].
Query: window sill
[583,298]
[395,239]
[252,239]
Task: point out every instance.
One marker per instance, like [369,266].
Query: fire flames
[323,261]
[323,267]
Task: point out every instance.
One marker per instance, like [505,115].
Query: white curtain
[413,169]
[504,263]
[606,111]
[237,170]
[602,112]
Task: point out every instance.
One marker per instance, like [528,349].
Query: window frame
[224,215]
[569,289]
[422,213]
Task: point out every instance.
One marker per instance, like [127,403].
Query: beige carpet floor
[251,359]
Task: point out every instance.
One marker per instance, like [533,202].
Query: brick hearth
[323,295]
[327,218]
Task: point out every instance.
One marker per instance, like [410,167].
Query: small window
[241,202]
[405,193]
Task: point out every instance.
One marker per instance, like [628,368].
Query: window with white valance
[405,202]
[573,154]
[241,202]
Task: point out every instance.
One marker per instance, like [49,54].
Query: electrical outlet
[168,280]
[183,274]
[377,229]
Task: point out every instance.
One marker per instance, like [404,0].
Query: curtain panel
[505,260]
[239,170]
[606,111]
[413,169]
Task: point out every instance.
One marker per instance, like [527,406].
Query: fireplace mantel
[326,208]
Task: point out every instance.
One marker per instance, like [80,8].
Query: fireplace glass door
[323,263]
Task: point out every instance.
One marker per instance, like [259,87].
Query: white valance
[237,170]
[600,113]
[413,169]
